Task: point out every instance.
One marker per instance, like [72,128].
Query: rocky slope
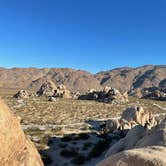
[123,79]
[16,149]
[141,146]
[126,78]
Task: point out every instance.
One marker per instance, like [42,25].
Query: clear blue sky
[92,35]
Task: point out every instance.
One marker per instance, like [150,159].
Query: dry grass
[39,111]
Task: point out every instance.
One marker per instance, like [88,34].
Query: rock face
[141,146]
[107,95]
[138,115]
[148,156]
[130,118]
[16,149]
[22,94]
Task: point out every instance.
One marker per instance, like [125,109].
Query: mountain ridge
[122,78]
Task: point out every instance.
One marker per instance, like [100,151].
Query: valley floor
[66,132]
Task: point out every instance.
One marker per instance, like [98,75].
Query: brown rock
[16,149]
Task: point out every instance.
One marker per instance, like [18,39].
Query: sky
[92,35]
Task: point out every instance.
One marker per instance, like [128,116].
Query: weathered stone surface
[22,94]
[47,89]
[16,149]
[148,156]
[141,146]
[62,92]
[139,115]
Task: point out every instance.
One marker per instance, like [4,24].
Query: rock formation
[130,118]
[62,92]
[47,89]
[141,146]
[22,94]
[107,95]
[16,149]
[139,115]
[148,156]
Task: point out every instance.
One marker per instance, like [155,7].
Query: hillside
[124,78]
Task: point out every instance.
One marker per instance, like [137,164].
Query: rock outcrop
[16,149]
[107,95]
[22,94]
[130,118]
[49,89]
[148,156]
[155,93]
[138,115]
[141,146]
[62,92]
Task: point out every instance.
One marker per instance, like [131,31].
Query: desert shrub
[46,159]
[66,138]
[99,148]
[79,160]
[50,142]
[69,153]
[62,145]
[44,140]
[84,136]
[86,145]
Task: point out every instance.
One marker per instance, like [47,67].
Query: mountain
[127,78]
[32,78]
[124,78]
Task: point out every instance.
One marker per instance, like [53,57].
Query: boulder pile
[16,149]
[141,146]
[154,93]
[107,95]
[131,117]
[49,89]
[22,94]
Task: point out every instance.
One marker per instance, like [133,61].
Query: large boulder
[62,92]
[47,89]
[22,94]
[148,156]
[130,118]
[139,115]
[141,146]
[107,95]
[16,149]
